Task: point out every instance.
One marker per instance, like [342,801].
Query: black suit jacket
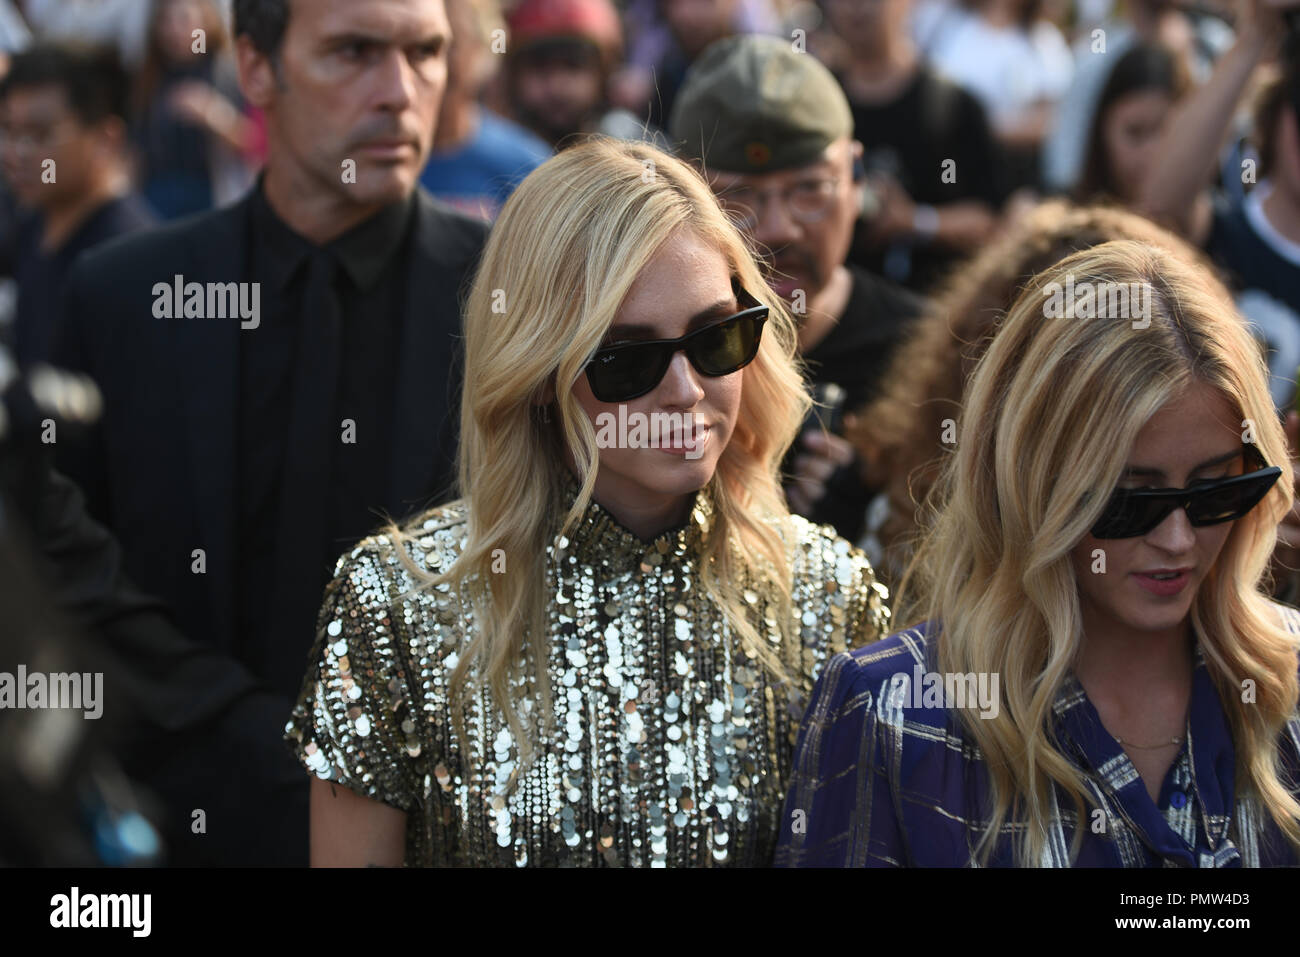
[161,467]
[191,723]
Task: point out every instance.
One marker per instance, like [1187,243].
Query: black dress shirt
[370,288]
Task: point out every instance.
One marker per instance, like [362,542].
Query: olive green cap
[753,104]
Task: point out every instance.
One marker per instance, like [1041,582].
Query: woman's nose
[1175,534]
[681,383]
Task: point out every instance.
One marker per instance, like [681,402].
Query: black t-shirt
[1250,262]
[932,121]
[41,275]
[857,351]
[855,355]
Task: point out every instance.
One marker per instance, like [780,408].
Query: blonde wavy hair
[567,247]
[899,434]
[1049,417]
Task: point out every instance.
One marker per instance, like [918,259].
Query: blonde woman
[1099,676]
[905,432]
[600,655]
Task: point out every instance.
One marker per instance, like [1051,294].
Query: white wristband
[925,222]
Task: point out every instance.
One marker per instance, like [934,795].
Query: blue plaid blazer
[883,780]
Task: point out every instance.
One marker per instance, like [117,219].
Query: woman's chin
[671,474]
[1155,614]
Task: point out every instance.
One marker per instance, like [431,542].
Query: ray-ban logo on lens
[670,431]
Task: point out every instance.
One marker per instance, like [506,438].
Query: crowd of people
[357,281]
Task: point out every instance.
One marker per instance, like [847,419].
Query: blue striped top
[886,775]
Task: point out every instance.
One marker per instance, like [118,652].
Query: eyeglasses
[1134,512]
[33,138]
[630,370]
[807,201]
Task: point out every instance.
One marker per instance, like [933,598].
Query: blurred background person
[561,56]
[70,606]
[773,132]
[1015,61]
[197,147]
[650,38]
[122,24]
[64,153]
[692,26]
[932,163]
[1130,119]
[1253,235]
[14,33]
[14,37]
[478,157]
[1195,38]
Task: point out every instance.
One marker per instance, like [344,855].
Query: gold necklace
[1147,747]
[1151,747]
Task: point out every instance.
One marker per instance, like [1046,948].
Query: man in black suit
[279,374]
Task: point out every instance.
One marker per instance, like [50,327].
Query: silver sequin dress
[671,746]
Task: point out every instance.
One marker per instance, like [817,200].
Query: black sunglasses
[631,369]
[1133,512]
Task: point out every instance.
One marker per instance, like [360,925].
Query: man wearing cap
[774,135]
[561,54]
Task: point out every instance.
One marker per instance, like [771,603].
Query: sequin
[671,746]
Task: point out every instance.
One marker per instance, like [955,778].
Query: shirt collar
[363,251]
[1208,746]
[600,540]
[280,250]
[366,248]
